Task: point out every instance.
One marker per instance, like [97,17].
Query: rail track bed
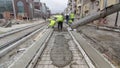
[17,35]
[61,49]
[10,53]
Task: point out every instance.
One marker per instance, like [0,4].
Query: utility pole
[14,11]
[116,21]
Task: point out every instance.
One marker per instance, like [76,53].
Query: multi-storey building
[69,8]
[24,8]
[41,10]
[5,5]
[83,8]
[79,7]
[37,9]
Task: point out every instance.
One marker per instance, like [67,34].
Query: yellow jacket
[72,16]
[70,21]
[60,18]
[52,23]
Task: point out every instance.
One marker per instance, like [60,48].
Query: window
[6,5]
[9,6]
[20,6]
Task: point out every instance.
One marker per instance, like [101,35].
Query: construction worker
[60,20]
[72,16]
[52,22]
[70,22]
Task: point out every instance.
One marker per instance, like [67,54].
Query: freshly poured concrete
[61,56]
[60,53]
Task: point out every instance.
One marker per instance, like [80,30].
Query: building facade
[41,10]
[24,9]
[5,5]
[37,9]
[85,8]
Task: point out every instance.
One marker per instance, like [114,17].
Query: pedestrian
[60,20]
[67,18]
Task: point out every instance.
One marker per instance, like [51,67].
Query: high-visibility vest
[59,18]
[52,23]
[70,21]
[72,16]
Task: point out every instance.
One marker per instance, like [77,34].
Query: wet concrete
[60,53]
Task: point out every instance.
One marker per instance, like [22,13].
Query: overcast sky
[56,5]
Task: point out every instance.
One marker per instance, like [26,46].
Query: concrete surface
[17,26]
[106,42]
[46,61]
[93,54]
[27,56]
[60,53]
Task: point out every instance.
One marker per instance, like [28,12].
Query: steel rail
[17,30]
[32,51]
[11,47]
[89,62]
[92,57]
[39,54]
[96,57]
[11,41]
[32,61]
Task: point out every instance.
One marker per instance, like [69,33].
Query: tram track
[43,54]
[9,42]
[8,52]
[69,53]
[10,38]
[17,30]
[62,59]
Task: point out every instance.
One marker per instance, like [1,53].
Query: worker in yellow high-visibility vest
[72,16]
[52,23]
[70,22]
[60,20]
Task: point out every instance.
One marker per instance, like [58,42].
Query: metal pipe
[105,12]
